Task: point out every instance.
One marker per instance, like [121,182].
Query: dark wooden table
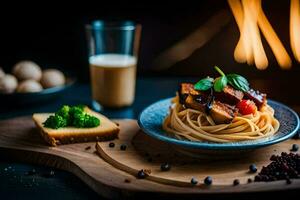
[29,181]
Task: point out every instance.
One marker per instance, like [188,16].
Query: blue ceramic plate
[150,121]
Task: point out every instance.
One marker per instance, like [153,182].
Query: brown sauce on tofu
[257,97]
[229,95]
[220,105]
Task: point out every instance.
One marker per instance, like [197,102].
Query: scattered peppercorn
[88,147]
[127,180]
[236,182]
[288,181]
[283,167]
[295,147]
[111,144]
[141,174]
[123,147]
[165,167]
[194,181]
[249,180]
[208,180]
[253,168]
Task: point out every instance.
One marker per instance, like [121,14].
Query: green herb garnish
[235,80]
[71,116]
[204,84]
[220,82]
[238,82]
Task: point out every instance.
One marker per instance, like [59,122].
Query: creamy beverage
[113,79]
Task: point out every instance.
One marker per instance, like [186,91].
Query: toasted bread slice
[107,130]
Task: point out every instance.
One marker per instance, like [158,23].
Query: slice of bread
[107,130]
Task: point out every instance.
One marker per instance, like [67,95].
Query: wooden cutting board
[113,173]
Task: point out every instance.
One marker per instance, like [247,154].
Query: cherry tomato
[246,107]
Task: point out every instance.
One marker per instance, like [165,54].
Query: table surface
[17,180]
[29,181]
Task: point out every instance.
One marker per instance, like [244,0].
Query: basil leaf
[238,82]
[204,84]
[220,83]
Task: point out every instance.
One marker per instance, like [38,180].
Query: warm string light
[240,49]
[280,53]
[251,9]
[295,28]
[250,19]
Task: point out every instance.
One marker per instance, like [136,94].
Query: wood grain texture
[144,152]
[20,139]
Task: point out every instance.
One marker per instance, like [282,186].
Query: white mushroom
[52,78]
[2,73]
[8,84]
[29,86]
[25,70]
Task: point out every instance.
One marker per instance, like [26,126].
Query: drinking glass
[113,54]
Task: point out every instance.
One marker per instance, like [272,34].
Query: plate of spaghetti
[219,113]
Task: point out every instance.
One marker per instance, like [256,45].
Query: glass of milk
[113,49]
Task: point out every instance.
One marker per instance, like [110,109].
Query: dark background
[52,34]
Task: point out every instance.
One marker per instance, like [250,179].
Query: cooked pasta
[194,125]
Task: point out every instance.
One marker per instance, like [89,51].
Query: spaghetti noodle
[194,125]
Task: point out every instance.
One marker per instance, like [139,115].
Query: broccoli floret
[80,106]
[77,116]
[91,121]
[55,122]
[64,112]
[71,116]
[75,110]
[78,120]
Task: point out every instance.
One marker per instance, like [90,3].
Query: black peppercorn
[127,180]
[88,147]
[208,180]
[141,174]
[283,167]
[236,182]
[194,181]
[257,178]
[295,147]
[253,168]
[123,147]
[111,145]
[249,180]
[165,167]
[288,181]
